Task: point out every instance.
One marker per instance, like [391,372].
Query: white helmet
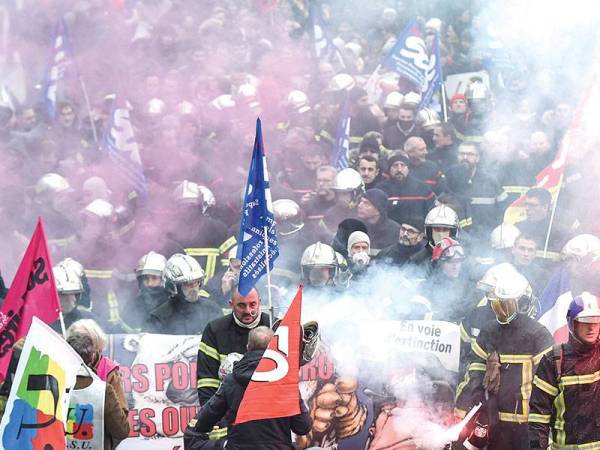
[511,295]
[581,246]
[248,93]
[288,216]
[100,208]
[441,216]
[412,99]
[182,269]
[504,236]
[341,82]
[151,263]
[53,183]
[319,256]
[155,107]
[393,100]
[75,266]
[223,102]
[226,366]
[428,119]
[349,180]
[187,192]
[493,274]
[298,101]
[185,108]
[208,198]
[68,281]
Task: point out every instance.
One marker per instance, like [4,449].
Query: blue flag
[61,60]
[122,148]
[341,147]
[433,76]
[410,59]
[257,213]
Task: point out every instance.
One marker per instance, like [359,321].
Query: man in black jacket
[226,335]
[264,434]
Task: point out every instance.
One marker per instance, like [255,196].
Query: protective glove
[491,379]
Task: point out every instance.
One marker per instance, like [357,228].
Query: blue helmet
[583,308]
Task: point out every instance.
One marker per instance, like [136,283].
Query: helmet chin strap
[250,325]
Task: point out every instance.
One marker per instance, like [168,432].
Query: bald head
[246,308]
[416,149]
[258,338]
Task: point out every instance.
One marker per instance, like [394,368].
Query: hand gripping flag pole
[257,243]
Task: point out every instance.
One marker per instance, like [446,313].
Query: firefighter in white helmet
[503,360]
[349,188]
[70,289]
[152,293]
[322,266]
[208,239]
[564,403]
[54,201]
[189,307]
[578,256]
[441,221]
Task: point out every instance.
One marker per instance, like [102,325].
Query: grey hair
[90,328]
[259,337]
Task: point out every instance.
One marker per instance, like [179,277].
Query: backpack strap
[557,357]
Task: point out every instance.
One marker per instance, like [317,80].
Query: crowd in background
[425,190]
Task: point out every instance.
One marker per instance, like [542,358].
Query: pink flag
[32,293]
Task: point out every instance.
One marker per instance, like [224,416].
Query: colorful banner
[32,293]
[389,367]
[36,412]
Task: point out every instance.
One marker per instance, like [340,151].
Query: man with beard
[394,136]
[481,189]
[410,243]
[189,309]
[227,335]
[406,195]
[152,293]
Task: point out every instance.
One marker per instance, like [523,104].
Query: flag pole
[552,215]
[89,108]
[266,228]
[444,104]
[62,324]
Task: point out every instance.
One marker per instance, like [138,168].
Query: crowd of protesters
[425,190]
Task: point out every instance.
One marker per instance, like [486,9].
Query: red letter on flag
[273,390]
[32,293]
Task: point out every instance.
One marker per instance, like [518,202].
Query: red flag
[273,389]
[582,125]
[32,293]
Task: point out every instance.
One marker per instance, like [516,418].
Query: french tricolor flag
[554,304]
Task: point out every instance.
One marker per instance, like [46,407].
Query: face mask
[361,259]
[439,235]
[405,124]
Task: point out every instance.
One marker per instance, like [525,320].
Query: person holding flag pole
[257,248]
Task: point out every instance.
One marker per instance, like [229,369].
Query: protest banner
[159,374]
